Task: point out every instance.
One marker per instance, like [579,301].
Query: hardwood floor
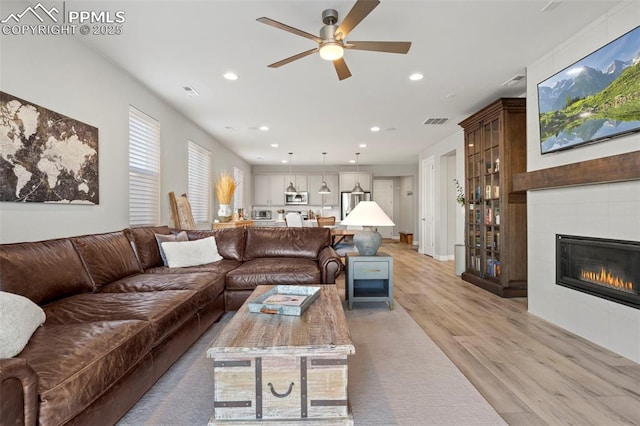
[530,371]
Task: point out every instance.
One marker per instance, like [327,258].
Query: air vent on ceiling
[516,79]
[436,121]
[191,91]
[550,6]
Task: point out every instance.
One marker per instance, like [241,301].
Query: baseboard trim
[444,258]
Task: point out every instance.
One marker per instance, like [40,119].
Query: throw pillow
[162,238]
[19,319]
[191,253]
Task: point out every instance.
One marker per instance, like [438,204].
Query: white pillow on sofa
[162,238]
[191,253]
[19,319]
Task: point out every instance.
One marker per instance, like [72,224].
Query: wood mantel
[617,168]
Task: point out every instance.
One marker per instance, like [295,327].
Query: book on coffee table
[285,299]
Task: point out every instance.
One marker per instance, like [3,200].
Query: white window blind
[144,169]
[199,182]
[238,175]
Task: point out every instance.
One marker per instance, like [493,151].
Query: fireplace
[605,268]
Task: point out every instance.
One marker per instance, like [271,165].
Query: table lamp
[369,215]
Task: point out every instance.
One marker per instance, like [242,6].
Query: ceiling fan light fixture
[331,50]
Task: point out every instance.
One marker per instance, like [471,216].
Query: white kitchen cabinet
[348,181]
[315,182]
[301,182]
[268,190]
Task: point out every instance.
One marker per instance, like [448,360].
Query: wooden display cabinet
[496,217]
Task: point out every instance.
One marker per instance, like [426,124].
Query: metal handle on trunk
[280,395]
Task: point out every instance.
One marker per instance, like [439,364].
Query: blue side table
[369,278]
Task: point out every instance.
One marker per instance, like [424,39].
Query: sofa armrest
[18,393]
[330,265]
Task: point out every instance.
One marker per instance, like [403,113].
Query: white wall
[63,75]
[444,197]
[408,198]
[604,210]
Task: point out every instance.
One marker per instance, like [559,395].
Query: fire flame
[606,278]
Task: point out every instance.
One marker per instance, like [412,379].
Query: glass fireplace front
[605,268]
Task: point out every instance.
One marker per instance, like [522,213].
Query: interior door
[427,209]
[383,195]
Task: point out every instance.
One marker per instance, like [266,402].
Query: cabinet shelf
[495,228]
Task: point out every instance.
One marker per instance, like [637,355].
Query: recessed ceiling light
[230,76]
[274,145]
[352,161]
[263,128]
[363,145]
[416,76]
[283,161]
[375,129]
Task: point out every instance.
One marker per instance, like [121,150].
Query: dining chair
[293,220]
[326,221]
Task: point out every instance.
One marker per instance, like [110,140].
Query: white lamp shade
[367,213]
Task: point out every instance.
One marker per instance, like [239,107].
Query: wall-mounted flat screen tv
[594,99]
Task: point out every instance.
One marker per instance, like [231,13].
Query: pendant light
[357,189]
[291,189]
[324,189]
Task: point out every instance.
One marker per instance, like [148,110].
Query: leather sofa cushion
[146,245]
[108,257]
[221,267]
[286,242]
[286,271]
[43,271]
[230,241]
[208,286]
[76,363]
[165,311]
[233,300]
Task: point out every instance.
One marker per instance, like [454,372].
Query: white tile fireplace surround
[603,211]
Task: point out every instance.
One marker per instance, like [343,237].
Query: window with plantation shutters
[144,169]
[199,165]
[238,175]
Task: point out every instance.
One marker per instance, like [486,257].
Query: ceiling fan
[331,43]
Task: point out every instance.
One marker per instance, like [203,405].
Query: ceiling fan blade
[380,46]
[287,28]
[358,12]
[342,69]
[292,58]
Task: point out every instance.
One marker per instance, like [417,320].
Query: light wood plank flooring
[530,371]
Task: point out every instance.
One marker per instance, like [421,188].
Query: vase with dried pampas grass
[225,187]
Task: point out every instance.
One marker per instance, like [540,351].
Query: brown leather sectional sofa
[116,318]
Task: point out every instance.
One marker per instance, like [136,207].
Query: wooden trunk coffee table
[284,368]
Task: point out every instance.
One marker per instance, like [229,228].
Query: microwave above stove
[299,198]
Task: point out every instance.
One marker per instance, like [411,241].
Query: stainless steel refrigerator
[348,201]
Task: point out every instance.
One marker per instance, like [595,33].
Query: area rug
[398,376]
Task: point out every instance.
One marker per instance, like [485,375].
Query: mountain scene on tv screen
[594,99]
